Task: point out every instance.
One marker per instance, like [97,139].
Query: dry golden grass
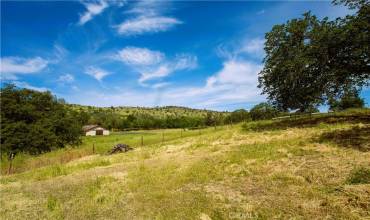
[224,174]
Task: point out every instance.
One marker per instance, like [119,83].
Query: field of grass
[307,169]
[98,145]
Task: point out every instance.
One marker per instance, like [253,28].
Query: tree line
[111,119]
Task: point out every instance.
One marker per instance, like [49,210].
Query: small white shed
[92,130]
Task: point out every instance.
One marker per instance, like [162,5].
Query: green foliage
[263,111]
[308,60]
[35,122]
[238,116]
[348,100]
[359,176]
[131,118]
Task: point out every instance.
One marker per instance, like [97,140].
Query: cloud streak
[140,56]
[66,78]
[147,17]
[28,86]
[96,72]
[13,66]
[143,24]
[151,64]
[92,9]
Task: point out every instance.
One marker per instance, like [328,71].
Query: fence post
[93,148]
[162,137]
[11,162]
[181,133]
[142,140]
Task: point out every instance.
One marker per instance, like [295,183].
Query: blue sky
[119,53]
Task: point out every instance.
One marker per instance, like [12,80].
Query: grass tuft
[359,176]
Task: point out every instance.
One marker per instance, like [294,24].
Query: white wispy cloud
[13,66]
[180,62]
[140,56]
[96,72]
[160,85]
[151,64]
[92,9]
[236,73]
[66,78]
[160,72]
[143,24]
[147,17]
[28,86]
[235,82]
[60,52]
[253,47]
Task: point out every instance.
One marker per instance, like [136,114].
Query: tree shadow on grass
[304,122]
[356,137]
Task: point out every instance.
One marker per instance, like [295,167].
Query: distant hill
[122,118]
[158,112]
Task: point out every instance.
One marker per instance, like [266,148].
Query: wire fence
[140,138]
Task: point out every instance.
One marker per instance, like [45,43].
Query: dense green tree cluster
[35,122]
[113,120]
[310,61]
[263,111]
[239,115]
[144,118]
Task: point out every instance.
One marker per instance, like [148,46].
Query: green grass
[295,172]
[359,175]
[97,145]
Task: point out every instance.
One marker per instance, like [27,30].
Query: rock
[119,148]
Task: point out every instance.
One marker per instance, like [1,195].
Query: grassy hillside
[132,118]
[155,111]
[299,168]
[98,145]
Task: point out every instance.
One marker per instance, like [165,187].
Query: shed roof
[89,127]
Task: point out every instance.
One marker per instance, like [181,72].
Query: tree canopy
[35,122]
[309,60]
